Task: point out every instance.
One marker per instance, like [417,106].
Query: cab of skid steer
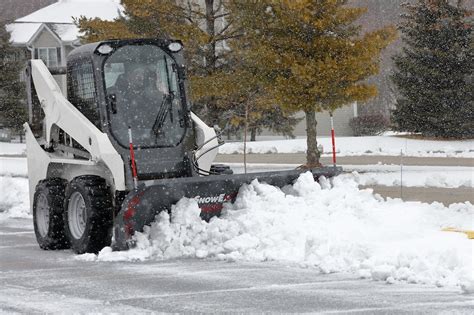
[139,85]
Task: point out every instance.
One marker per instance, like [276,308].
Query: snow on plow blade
[142,205]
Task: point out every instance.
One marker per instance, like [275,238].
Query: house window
[51,56]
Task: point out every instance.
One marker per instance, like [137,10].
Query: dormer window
[51,56]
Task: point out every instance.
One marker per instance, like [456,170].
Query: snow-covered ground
[8,148]
[329,227]
[350,146]
[346,146]
[13,166]
[412,176]
[14,200]
[387,175]
[332,227]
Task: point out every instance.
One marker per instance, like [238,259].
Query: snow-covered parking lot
[297,243]
[306,248]
[331,227]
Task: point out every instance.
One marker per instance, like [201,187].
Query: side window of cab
[82,90]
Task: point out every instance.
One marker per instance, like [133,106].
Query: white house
[50,34]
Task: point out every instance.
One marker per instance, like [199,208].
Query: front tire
[88,214]
[47,214]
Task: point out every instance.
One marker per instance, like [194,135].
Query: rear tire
[48,214]
[88,214]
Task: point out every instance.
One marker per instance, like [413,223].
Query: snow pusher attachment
[122,146]
[211,192]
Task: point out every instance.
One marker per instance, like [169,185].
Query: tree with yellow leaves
[312,53]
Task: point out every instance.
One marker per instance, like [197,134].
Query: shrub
[369,125]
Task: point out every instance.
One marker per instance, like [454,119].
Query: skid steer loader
[122,146]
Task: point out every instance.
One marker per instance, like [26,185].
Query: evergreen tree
[435,71]
[12,94]
[312,54]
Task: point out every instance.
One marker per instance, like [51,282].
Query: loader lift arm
[58,111]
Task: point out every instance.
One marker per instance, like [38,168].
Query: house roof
[21,33]
[58,17]
[67,32]
[63,11]
[11,10]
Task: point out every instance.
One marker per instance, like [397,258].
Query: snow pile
[334,227]
[351,146]
[15,203]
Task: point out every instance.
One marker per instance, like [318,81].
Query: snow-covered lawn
[13,166]
[350,146]
[7,148]
[332,227]
[346,146]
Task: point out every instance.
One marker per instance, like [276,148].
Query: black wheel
[48,214]
[88,214]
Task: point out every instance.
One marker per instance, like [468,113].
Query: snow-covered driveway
[52,281]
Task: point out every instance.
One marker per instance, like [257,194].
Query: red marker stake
[132,158]
[333,136]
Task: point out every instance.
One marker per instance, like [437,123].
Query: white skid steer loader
[121,147]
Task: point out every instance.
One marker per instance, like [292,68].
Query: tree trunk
[210,56]
[312,153]
[253,134]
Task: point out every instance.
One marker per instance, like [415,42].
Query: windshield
[142,92]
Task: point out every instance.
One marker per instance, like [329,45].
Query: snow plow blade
[142,205]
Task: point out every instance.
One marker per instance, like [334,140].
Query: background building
[50,34]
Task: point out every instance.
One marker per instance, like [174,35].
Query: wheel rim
[77,215]
[42,215]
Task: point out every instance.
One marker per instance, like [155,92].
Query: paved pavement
[37,281]
[446,196]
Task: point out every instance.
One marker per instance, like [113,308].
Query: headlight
[175,47]
[105,49]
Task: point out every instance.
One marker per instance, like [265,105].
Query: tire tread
[99,197]
[55,191]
